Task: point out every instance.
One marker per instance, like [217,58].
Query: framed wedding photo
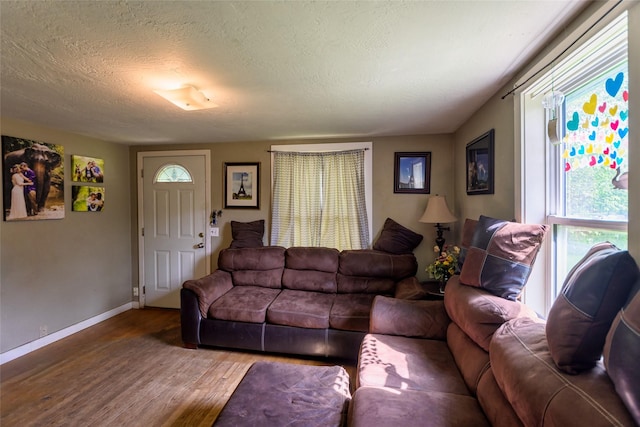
[480,168]
[242,185]
[412,173]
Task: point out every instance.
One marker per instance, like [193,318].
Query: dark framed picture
[480,168]
[412,173]
[242,185]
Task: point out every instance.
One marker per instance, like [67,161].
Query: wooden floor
[130,370]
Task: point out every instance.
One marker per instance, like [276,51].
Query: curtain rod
[563,52]
[354,150]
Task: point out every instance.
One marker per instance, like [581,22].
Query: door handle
[201,244]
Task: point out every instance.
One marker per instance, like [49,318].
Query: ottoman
[284,394]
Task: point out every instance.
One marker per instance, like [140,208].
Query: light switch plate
[214,232]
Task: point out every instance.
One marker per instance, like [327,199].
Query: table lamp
[438,212]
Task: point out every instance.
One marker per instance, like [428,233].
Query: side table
[432,290]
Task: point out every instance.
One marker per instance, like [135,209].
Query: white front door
[174,241]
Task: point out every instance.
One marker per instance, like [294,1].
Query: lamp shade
[437,211]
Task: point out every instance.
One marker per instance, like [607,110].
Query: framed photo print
[33,179]
[412,173]
[87,199]
[87,169]
[242,185]
[480,168]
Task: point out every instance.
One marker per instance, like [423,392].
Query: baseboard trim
[56,336]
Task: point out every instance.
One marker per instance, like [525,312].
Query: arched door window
[172,173]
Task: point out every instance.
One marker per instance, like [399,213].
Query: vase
[443,283]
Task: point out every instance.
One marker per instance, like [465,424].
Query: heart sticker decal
[614,124]
[609,138]
[623,132]
[590,107]
[605,151]
[595,122]
[567,167]
[605,123]
[613,165]
[625,96]
[572,152]
[590,149]
[613,85]
[617,144]
[624,115]
[592,162]
[600,159]
[573,124]
[602,107]
[581,149]
[613,110]
[592,137]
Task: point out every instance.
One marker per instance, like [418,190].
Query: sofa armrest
[190,318]
[209,288]
[421,319]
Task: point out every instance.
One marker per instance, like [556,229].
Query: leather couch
[306,301]
[478,359]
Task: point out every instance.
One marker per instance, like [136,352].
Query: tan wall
[61,272]
[403,208]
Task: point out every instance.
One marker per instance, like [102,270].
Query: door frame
[207,239]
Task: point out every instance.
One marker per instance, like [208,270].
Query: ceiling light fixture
[188,98]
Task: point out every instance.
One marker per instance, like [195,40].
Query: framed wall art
[87,169]
[412,173]
[87,198]
[242,185]
[33,179]
[480,167]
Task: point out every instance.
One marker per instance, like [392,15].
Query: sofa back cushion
[501,256]
[468,228]
[479,313]
[261,266]
[622,353]
[592,294]
[371,271]
[311,269]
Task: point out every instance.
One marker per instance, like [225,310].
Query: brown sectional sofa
[482,360]
[307,301]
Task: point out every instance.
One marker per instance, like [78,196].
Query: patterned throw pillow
[501,255]
[592,294]
[621,355]
[397,239]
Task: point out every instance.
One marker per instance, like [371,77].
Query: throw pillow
[247,234]
[621,355]
[396,239]
[501,256]
[593,292]
[467,237]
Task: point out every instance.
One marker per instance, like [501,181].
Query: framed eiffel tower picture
[242,185]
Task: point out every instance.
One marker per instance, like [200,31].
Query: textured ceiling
[277,70]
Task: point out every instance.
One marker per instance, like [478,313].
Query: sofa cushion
[468,228]
[408,364]
[592,294]
[470,358]
[385,407]
[304,309]
[247,234]
[420,319]
[372,263]
[540,393]
[501,256]
[311,269]
[496,407]
[244,304]
[410,288]
[350,312]
[622,353]
[254,266]
[396,239]
[479,313]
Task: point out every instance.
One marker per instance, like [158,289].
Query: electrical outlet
[135,291]
[214,232]
[44,331]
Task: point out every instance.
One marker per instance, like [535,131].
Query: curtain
[319,200]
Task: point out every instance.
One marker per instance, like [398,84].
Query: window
[173,173]
[583,149]
[321,195]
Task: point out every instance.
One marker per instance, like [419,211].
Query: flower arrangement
[446,264]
